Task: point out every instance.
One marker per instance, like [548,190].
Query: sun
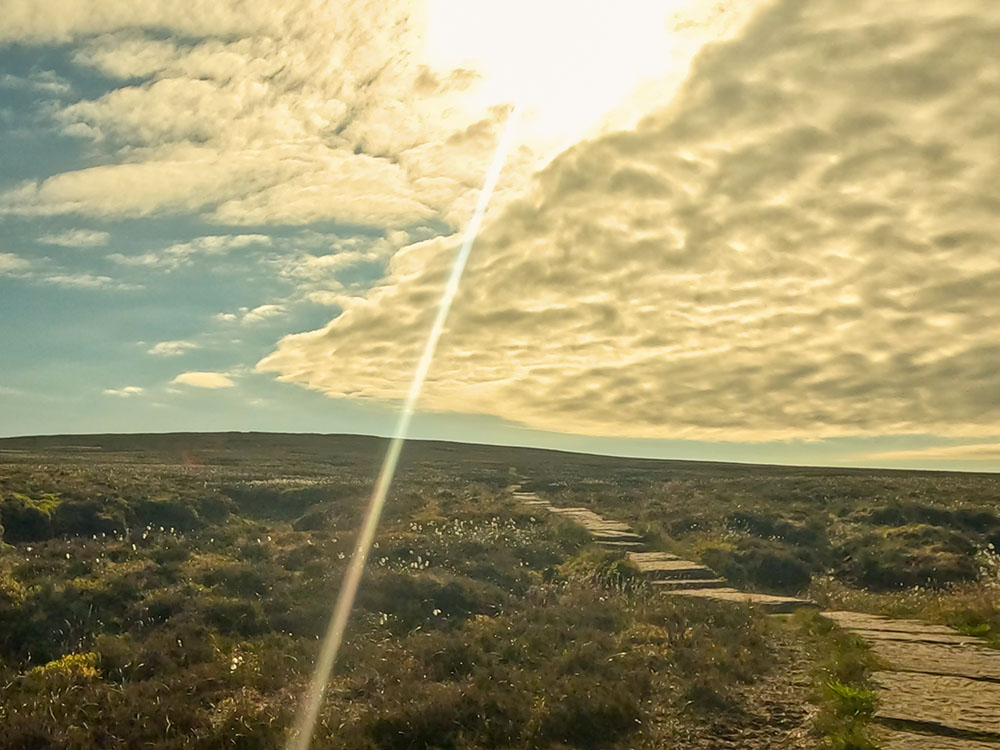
[574,67]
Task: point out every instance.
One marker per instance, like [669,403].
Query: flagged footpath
[939,690]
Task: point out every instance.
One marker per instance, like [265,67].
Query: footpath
[940,689]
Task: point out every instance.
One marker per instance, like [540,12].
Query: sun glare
[573,67]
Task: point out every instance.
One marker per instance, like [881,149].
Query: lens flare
[305,724]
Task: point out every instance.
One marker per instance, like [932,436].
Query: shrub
[915,555]
[234,616]
[67,670]
[168,513]
[26,520]
[758,563]
[586,713]
[852,700]
[88,517]
[313,519]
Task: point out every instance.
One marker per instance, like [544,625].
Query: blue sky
[242,223]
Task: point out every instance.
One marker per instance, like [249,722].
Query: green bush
[915,555]
[768,565]
[313,519]
[89,517]
[169,513]
[26,520]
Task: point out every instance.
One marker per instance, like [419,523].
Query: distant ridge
[320,446]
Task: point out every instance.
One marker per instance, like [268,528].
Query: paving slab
[939,704]
[967,660]
[767,602]
[615,536]
[889,739]
[852,620]
[620,545]
[640,557]
[690,583]
[663,569]
[891,635]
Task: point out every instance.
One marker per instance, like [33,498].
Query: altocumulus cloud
[804,244]
[76,238]
[126,392]
[254,112]
[210,380]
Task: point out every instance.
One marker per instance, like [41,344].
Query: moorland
[169,591]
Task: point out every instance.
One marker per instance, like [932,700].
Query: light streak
[305,723]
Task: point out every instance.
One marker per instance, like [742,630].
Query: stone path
[668,573]
[940,690]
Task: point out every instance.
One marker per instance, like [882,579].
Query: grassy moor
[169,591]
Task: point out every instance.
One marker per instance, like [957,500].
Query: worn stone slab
[662,569]
[862,620]
[595,528]
[889,739]
[620,545]
[641,557]
[767,602]
[615,536]
[969,661]
[939,704]
[891,635]
[690,583]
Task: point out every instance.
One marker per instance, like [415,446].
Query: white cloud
[262,313]
[802,245]
[261,115]
[126,392]
[45,81]
[44,272]
[172,348]
[76,238]
[12,264]
[210,380]
[85,281]
[184,253]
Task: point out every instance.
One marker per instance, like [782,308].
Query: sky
[761,231]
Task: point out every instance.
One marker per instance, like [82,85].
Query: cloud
[184,253]
[42,271]
[253,114]
[252,316]
[262,313]
[12,264]
[126,392]
[802,245]
[171,348]
[44,81]
[970,452]
[76,238]
[210,380]
[85,281]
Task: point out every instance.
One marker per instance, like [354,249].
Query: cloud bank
[254,113]
[803,245]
